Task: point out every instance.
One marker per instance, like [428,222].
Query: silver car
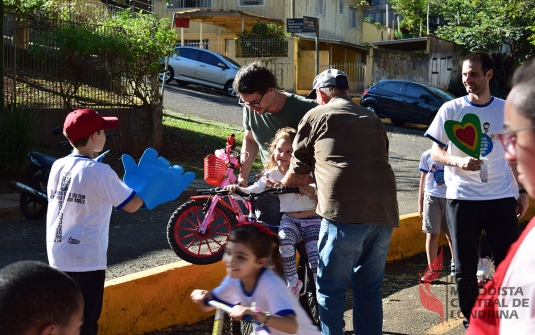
[190,65]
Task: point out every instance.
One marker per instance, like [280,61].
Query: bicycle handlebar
[225,307]
[272,190]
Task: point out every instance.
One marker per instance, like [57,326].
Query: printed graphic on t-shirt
[61,196]
[465,135]
[439,177]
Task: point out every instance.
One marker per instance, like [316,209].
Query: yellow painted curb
[156,298]
[159,298]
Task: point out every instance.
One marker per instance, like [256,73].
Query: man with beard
[465,134]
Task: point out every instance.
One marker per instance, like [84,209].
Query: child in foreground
[300,221]
[250,283]
[38,299]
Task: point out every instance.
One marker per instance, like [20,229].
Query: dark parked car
[190,65]
[404,101]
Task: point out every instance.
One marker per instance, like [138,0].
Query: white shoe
[485,269]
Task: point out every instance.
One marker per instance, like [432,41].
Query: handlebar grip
[241,193]
[206,191]
[225,307]
[287,189]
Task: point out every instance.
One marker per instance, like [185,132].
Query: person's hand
[199,296]
[231,188]
[238,312]
[469,164]
[154,180]
[271,183]
[522,204]
[242,182]
[307,190]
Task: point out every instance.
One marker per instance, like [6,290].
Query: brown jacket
[346,147]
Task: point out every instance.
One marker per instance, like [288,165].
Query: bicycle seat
[43,159]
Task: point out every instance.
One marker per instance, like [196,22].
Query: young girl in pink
[300,221]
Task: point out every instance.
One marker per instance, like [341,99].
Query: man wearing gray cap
[346,147]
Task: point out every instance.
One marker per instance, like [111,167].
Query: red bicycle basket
[215,170]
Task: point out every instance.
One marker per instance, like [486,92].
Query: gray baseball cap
[331,77]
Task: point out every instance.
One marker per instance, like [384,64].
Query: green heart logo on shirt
[466,135]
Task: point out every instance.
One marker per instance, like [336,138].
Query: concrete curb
[158,298]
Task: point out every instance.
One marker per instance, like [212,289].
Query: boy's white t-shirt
[81,195]
[434,179]
[270,295]
[467,184]
[291,202]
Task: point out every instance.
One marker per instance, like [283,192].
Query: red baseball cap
[81,123]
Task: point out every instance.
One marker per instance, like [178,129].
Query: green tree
[504,27]
[414,13]
[262,30]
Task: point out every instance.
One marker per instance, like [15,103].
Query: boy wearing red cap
[81,195]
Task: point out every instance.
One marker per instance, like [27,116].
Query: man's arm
[440,155]
[296,180]
[421,193]
[523,199]
[249,149]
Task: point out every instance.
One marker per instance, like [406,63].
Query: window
[415,91]
[341,4]
[188,53]
[250,3]
[320,7]
[353,17]
[393,87]
[208,58]
[189,4]
[195,43]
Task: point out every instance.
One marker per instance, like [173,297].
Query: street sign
[310,24]
[294,25]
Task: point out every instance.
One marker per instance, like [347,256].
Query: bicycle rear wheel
[190,245]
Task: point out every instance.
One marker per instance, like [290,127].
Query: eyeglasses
[251,104]
[508,139]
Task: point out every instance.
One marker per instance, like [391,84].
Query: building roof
[404,44]
[225,17]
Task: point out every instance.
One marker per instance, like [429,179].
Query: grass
[187,140]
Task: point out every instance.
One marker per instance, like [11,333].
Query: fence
[356,73]
[261,48]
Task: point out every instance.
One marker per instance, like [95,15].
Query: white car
[190,65]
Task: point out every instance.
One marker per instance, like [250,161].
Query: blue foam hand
[154,180]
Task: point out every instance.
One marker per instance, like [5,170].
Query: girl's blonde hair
[287,133]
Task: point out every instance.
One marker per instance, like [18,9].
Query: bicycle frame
[228,157]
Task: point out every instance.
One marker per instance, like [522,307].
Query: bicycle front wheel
[190,245]
[308,299]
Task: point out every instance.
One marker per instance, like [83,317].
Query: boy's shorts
[434,219]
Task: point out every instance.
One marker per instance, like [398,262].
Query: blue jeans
[356,254]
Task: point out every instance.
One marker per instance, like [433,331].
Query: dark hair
[483,58]
[262,242]
[253,78]
[524,86]
[80,143]
[33,292]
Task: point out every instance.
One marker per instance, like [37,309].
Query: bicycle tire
[32,207]
[308,300]
[188,244]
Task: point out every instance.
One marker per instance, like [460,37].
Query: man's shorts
[434,215]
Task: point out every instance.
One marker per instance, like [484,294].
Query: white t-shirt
[519,303]
[81,195]
[291,202]
[270,295]
[467,185]
[434,179]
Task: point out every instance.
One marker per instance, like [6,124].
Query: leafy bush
[262,30]
[16,139]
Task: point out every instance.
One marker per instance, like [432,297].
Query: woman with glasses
[513,285]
